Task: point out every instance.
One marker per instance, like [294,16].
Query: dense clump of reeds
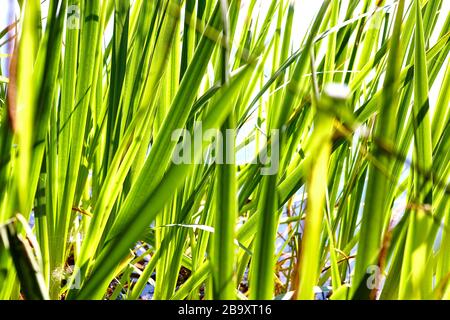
[93,205]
